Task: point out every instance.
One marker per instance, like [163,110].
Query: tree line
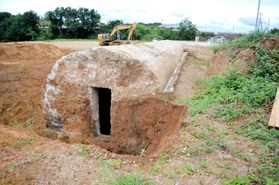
[20,27]
[82,23]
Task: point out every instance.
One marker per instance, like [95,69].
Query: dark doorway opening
[104,100]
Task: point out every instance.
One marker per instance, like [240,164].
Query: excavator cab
[114,37]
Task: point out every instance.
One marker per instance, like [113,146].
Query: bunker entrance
[104,99]
[102,107]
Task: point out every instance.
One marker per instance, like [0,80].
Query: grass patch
[22,142]
[130,178]
[164,158]
[83,151]
[29,124]
[234,94]
[116,163]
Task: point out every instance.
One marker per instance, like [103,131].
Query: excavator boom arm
[132,30]
[124,27]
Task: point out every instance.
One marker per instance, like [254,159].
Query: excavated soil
[23,69]
[27,157]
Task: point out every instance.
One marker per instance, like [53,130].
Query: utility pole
[260,22]
[257,20]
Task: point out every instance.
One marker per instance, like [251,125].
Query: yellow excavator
[114,37]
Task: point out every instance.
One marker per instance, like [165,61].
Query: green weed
[21,142]
[197,150]
[164,158]
[215,48]
[225,166]
[10,166]
[98,155]
[83,151]
[16,124]
[31,156]
[182,133]
[29,123]
[156,169]
[142,152]
[170,174]
[207,63]
[211,128]
[131,179]
[189,169]
[18,143]
[116,163]
[271,182]
[236,181]
[203,163]
[196,134]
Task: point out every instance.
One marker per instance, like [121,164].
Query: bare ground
[27,157]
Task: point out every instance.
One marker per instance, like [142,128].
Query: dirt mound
[218,63]
[23,69]
[29,51]
[220,60]
[269,43]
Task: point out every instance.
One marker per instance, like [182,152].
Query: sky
[237,16]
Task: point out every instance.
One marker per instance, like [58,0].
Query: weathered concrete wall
[135,74]
[160,57]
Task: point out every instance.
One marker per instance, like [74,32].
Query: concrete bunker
[117,97]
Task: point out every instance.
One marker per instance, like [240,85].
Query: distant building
[173,26]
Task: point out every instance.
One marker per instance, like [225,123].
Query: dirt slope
[23,69]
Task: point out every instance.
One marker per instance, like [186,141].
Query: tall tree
[90,20]
[13,29]
[4,16]
[30,22]
[19,27]
[167,33]
[140,31]
[56,19]
[187,30]
[78,23]
[73,23]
